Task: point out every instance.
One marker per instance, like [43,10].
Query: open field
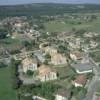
[67,25]
[95,26]
[6,91]
[10,44]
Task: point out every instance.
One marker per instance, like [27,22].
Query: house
[80,81]
[29,64]
[50,50]
[46,73]
[76,55]
[39,54]
[62,94]
[90,34]
[58,59]
[33,33]
[65,35]
[93,44]
[85,47]
[79,57]
[82,68]
[75,43]
[18,25]
[38,98]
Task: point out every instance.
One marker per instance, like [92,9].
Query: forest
[47,9]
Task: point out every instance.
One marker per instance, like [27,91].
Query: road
[95,82]
[92,88]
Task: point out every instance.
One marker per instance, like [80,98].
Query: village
[52,65]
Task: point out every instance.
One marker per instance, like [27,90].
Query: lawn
[65,76]
[65,72]
[6,91]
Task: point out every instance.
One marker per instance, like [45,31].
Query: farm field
[6,90]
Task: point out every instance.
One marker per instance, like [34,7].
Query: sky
[14,2]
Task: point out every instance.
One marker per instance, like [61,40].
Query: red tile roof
[81,79]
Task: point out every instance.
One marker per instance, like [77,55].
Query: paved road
[91,89]
[95,82]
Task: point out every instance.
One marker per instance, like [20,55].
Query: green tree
[16,82]
[47,56]
[2,65]
[3,34]
[30,73]
[27,44]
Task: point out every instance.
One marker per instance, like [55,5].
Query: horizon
[21,2]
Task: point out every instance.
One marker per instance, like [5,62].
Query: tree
[73,29]
[80,32]
[16,82]
[27,44]
[93,17]
[2,65]
[29,73]
[3,34]
[8,27]
[62,49]
[41,26]
[81,94]
[47,56]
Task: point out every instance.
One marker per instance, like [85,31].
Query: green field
[6,91]
[55,26]
[66,25]
[8,42]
